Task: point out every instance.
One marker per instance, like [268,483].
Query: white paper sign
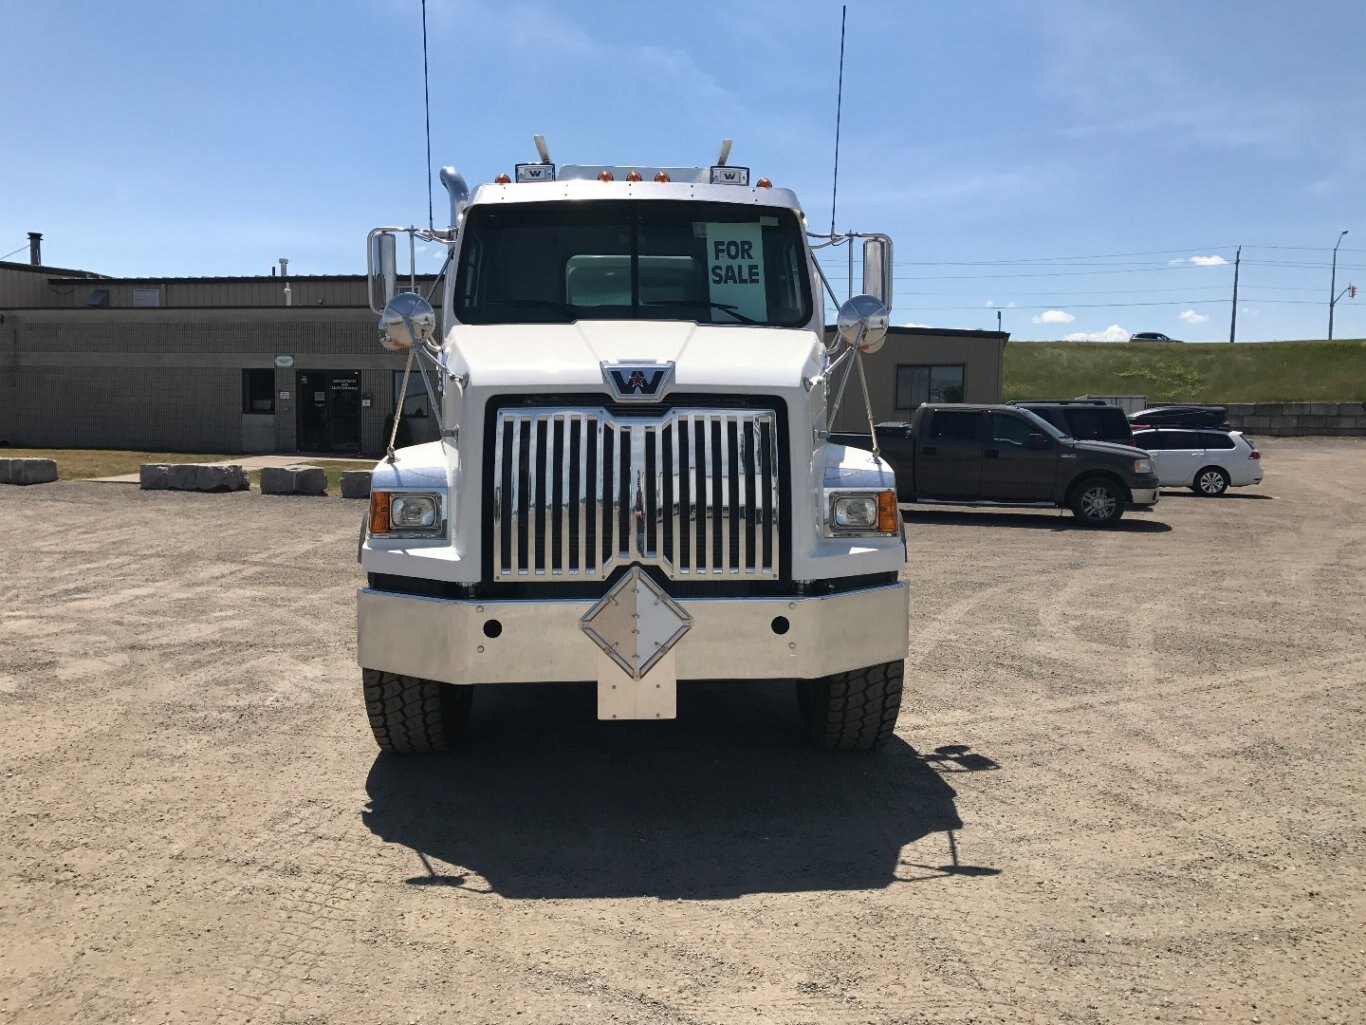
[735,269]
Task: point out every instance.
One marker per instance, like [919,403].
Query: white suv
[1207,461]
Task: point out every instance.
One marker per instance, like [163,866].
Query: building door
[329,410]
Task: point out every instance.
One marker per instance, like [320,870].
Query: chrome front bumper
[542,642]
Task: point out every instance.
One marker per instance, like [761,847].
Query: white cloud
[1113,333]
[1010,306]
[1202,261]
[1249,311]
[911,323]
[989,303]
[1054,317]
[1191,317]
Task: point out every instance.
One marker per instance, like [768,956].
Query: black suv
[1181,416]
[1083,419]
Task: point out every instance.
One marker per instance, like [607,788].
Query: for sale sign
[735,268]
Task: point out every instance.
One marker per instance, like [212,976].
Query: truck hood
[1111,448]
[569,357]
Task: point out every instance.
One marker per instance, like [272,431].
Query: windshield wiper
[730,308]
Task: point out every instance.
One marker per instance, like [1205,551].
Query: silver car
[1207,461]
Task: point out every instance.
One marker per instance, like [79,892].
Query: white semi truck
[633,484]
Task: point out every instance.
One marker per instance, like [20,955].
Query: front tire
[1097,502]
[853,711]
[1210,482]
[410,715]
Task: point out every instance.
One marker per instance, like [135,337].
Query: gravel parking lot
[1127,785]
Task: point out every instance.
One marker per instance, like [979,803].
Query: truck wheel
[1097,502]
[853,711]
[409,715]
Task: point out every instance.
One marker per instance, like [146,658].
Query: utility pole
[1333,286]
[998,320]
[1233,321]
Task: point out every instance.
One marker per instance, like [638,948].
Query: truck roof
[591,188]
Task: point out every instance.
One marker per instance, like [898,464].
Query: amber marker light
[634,176]
[606,176]
[662,178]
[764,183]
[502,179]
[379,512]
[886,512]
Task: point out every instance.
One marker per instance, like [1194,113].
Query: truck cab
[634,485]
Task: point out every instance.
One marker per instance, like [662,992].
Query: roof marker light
[502,179]
[764,183]
[634,176]
[606,176]
[662,178]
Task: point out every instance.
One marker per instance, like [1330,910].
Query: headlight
[406,514]
[1143,466]
[861,513]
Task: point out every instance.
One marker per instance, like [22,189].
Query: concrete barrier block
[293,480]
[181,476]
[28,471]
[310,480]
[154,476]
[1257,422]
[1313,420]
[355,484]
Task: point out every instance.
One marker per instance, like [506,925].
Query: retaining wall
[1291,419]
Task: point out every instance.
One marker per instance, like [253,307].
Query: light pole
[1333,285]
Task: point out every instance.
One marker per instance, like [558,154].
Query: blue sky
[1083,167]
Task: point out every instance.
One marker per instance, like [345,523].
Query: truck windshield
[557,262]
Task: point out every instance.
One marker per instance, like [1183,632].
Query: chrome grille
[578,493]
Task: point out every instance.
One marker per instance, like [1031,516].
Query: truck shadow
[545,801]
[1133,523]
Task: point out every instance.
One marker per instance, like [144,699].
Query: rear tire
[1210,482]
[1097,502]
[410,715]
[853,711]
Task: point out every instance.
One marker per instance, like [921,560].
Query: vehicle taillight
[1254,454]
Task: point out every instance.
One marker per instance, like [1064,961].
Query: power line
[19,250]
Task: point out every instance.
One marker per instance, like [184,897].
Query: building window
[916,385]
[147,297]
[415,399]
[258,391]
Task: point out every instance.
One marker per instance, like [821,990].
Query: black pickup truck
[1002,455]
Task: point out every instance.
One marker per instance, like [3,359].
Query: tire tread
[854,710]
[410,715]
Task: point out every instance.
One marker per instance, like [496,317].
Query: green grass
[84,463]
[1248,372]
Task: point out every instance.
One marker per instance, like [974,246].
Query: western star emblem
[637,382]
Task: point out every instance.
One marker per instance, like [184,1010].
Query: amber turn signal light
[502,179]
[886,512]
[379,512]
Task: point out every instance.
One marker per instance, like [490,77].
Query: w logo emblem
[637,381]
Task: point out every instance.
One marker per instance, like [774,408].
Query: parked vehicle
[632,484]
[1206,461]
[1003,455]
[1152,336]
[1083,419]
[1180,416]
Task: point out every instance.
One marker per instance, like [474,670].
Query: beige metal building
[222,365]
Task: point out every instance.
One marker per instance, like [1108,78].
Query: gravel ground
[1127,785]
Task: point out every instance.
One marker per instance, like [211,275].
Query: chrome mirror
[877,268]
[408,321]
[863,322]
[382,268]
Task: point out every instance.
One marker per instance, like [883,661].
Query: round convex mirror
[407,320]
[863,321]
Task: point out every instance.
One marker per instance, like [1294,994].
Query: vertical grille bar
[515,527]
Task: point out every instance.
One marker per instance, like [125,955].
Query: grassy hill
[1247,372]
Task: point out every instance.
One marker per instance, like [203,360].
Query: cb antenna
[839,105]
[427,107]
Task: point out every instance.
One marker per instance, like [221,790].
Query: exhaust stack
[35,248]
